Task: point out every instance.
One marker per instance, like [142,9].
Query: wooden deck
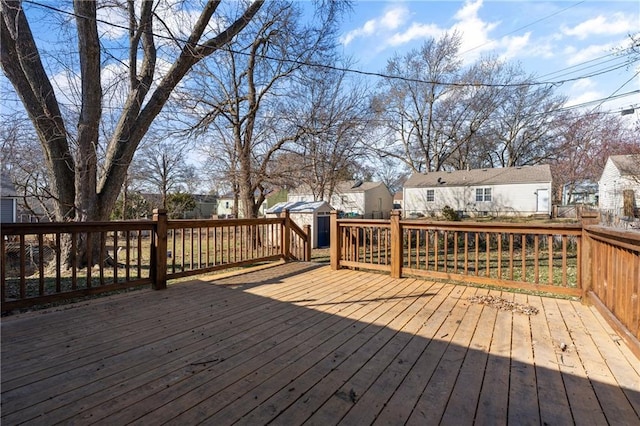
[301,344]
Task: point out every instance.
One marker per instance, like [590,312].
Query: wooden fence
[582,260]
[125,254]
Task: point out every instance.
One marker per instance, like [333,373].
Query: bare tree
[24,163]
[523,129]
[585,141]
[82,189]
[411,101]
[244,103]
[439,114]
[85,186]
[160,167]
[333,112]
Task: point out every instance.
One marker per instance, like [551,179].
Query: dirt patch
[504,305]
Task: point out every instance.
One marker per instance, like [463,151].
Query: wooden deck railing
[612,279]
[577,260]
[133,253]
[536,257]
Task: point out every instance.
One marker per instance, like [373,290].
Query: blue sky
[555,40]
[558,41]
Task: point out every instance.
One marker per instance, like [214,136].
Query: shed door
[543,200]
[6,210]
[323,231]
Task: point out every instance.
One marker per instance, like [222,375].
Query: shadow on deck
[299,343]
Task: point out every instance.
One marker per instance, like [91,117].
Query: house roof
[7,189]
[297,207]
[499,176]
[355,186]
[205,198]
[628,165]
[342,187]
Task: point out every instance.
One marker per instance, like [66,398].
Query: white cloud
[415,32]
[576,56]
[617,23]
[469,11]
[67,85]
[392,19]
[582,85]
[474,31]
[514,45]
[583,97]
[113,15]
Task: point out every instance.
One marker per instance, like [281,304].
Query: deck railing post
[396,245]
[158,271]
[307,243]
[334,241]
[286,235]
[585,256]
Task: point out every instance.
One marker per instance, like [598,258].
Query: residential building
[369,200]
[583,192]
[8,200]
[619,185]
[226,203]
[206,207]
[522,190]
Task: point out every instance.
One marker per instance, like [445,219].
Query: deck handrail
[612,279]
[126,254]
[597,264]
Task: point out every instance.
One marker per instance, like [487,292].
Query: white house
[225,206]
[621,175]
[505,191]
[317,214]
[581,192]
[8,200]
[370,200]
[226,202]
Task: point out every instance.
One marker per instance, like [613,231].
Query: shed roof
[298,207]
[499,176]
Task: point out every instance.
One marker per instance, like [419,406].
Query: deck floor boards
[298,343]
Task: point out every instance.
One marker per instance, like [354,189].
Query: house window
[431,196]
[483,194]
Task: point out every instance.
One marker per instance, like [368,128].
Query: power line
[611,96]
[584,63]
[598,101]
[366,73]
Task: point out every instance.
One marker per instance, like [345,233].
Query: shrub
[450,214]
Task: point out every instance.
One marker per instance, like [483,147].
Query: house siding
[378,202]
[349,202]
[366,199]
[513,199]
[225,207]
[611,186]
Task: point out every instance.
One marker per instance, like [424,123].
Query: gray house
[481,192]
[8,200]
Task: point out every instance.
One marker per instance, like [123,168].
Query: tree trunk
[79,193]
